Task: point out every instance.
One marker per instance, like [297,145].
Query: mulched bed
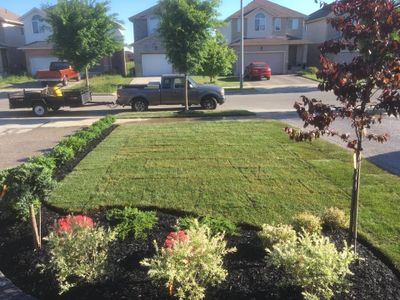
[249,275]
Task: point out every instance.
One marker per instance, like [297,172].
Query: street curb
[104,94]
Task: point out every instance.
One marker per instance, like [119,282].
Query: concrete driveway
[289,80]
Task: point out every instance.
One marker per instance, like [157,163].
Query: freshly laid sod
[185,114]
[247,171]
[104,83]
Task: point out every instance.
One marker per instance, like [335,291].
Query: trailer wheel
[39,109]
[139,105]
[65,81]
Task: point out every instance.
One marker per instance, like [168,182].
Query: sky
[128,8]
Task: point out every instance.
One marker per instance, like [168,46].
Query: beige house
[272,33]
[39,52]
[11,37]
[318,30]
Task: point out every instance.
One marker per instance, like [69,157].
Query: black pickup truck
[170,91]
[40,102]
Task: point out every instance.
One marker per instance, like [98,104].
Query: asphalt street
[23,135]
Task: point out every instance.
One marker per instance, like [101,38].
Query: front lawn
[104,83]
[14,79]
[247,171]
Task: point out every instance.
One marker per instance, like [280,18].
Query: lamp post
[241,44]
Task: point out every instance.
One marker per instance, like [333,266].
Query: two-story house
[39,52]
[272,33]
[318,31]
[11,37]
[149,53]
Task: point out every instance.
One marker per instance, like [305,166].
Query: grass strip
[185,114]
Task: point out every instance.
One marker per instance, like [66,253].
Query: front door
[292,56]
[167,92]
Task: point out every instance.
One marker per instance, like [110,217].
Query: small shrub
[190,262]
[216,224]
[314,264]
[76,143]
[45,160]
[86,135]
[62,154]
[78,252]
[308,222]
[272,235]
[334,218]
[3,177]
[219,225]
[311,70]
[131,220]
[26,183]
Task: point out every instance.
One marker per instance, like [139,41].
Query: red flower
[173,237]
[65,224]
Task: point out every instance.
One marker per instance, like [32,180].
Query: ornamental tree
[367,88]
[83,32]
[185,26]
[219,57]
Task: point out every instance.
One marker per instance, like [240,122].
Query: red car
[258,69]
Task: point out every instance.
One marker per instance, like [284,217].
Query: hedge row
[32,181]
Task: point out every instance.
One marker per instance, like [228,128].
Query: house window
[278,24]
[153,24]
[260,22]
[293,24]
[37,24]
[238,26]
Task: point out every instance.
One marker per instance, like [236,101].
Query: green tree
[219,58]
[83,32]
[185,26]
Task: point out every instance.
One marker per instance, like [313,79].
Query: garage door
[274,60]
[155,65]
[41,63]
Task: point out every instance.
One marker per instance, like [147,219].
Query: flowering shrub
[313,263]
[174,237]
[78,251]
[189,262]
[66,224]
[334,218]
[272,235]
[308,222]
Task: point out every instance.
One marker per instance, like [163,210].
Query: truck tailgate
[49,74]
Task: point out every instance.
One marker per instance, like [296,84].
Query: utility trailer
[41,101]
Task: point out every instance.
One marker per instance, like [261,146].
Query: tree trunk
[186,93]
[87,77]
[355,197]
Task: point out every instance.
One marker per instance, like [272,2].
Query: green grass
[13,79]
[105,83]
[246,171]
[310,76]
[223,81]
[184,114]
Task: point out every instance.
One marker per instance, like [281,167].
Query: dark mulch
[249,275]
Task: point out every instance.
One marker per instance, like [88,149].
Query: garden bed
[249,276]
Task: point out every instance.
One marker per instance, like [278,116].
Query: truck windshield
[192,82]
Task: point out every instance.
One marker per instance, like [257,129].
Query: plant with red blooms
[173,237]
[66,224]
[366,88]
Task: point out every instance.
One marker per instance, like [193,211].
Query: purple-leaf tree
[367,88]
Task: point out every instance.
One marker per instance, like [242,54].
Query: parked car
[258,69]
[58,72]
[170,91]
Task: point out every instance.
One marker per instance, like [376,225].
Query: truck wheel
[65,81]
[209,103]
[140,105]
[39,110]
